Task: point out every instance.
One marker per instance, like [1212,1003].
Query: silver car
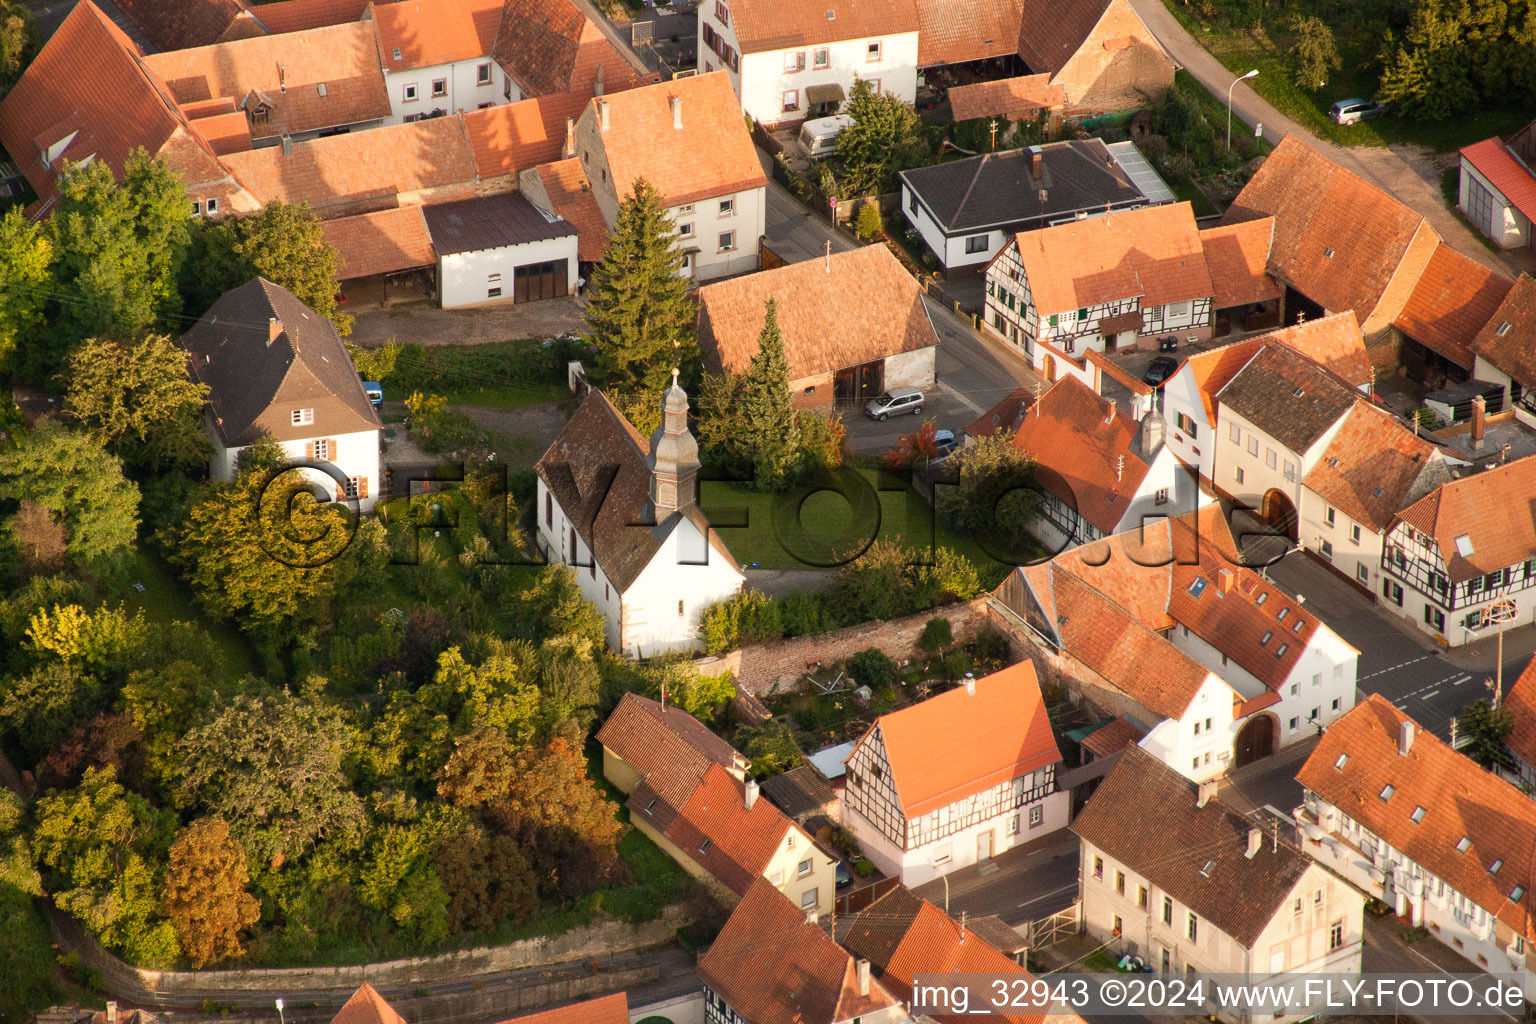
[895,402]
[1356,110]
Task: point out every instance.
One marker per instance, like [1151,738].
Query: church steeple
[674,458]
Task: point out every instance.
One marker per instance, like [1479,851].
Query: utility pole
[1497,614]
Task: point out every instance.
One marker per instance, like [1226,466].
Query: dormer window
[1463,844]
[303,417]
[395,53]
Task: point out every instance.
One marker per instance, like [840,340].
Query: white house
[1100,284]
[1172,876]
[793,62]
[1497,191]
[501,249]
[276,368]
[622,513]
[957,778]
[1395,811]
[687,139]
[1504,350]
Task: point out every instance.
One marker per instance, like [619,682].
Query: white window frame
[874,52]
[728,207]
[727,241]
[409,93]
[302,417]
[483,75]
[439,82]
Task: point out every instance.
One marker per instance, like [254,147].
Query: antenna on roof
[962,927]
[829,255]
[1119,466]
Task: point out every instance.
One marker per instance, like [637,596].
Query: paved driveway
[1023,884]
[794,233]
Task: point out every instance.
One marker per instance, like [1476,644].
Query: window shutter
[362,487]
[309,450]
[330,449]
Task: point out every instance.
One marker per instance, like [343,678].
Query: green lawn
[827,526]
[165,600]
[1244,50]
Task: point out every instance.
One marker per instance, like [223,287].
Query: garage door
[540,281]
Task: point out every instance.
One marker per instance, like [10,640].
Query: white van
[819,137]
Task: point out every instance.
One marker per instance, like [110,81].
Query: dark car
[844,876]
[1161,369]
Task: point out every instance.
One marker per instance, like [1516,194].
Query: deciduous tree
[137,398]
[487,878]
[1314,54]
[81,485]
[25,258]
[1487,727]
[204,893]
[914,449]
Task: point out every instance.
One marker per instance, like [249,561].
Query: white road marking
[1428,695]
[960,398]
[1394,668]
[1053,892]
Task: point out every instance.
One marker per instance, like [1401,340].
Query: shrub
[957,664]
[990,645]
[821,440]
[936,636]
[806,614]
[873,668]
[864,867]
[869,223]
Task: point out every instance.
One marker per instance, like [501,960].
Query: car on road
[895,402]
[1159,371]
[944,441]
[1355,110]
[375,392]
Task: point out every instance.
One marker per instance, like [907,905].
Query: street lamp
[280,1011]
[1252,74]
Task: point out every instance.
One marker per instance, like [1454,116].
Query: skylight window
[1281,652]
[1296,626]
[1263,596]
[397,53]
[1282,613]
[1503,329]
[1387,791]
[1198,586]
[1210,866]
[1417,815]
[1265,638]
[1333,463]
[1463,844]
[1493,868]
[1343,760]
[1464,545]
[1298,392]
[1515,893]
[705,845]
[1377,493]
[1327,254]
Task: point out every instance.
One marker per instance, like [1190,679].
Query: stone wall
[765,668]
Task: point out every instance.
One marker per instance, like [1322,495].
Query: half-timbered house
[957,778]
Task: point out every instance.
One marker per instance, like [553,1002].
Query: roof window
[1464,545]
[1376,493]
[1296,626]
[1210,866]
[1327,254]
[1387,791]
[1282,613]
[705,845]
[1515,893]
[1503,329]
[1463,844]
[397,53]
[1333,463]
[1280,653]
[1198,586]
[1265,638]
[1417,815]
[1298,392]
[1263,596]
[1343,760]
[1493,868]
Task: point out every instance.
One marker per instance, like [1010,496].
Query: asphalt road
[1020,885]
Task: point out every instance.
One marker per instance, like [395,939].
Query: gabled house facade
[918,816]
[1099,52]
[788,63]
[1497,189]
[1504,349]
[1171,875]
[1396,812]
[275,368]
[622,513]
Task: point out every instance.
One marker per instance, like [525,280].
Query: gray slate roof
[254,385]
[490,222]
[996,189]
[1288,396]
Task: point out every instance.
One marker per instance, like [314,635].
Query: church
[622,513]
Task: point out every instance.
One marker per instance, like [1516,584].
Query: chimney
[1404,738]
[1255,840]
[1206,794]
[1036,160]
[750,796]
[861,971]
[677,112]
[1224,579]
[111,1011]
[1479,412]
[1111,417]
[597,82]
[274,328]
[970,683]
[602,113]
[287,145]
[569,149]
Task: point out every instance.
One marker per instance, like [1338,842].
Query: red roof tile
[996,734]
[1460,800]
[298,15]
[1334,341]
[782,24]
[668,747]
[1520,702]
[1494,161]
[1242,615]
[1004,415]
[177,24]
[813,300]
[774,968]
[367,1007]
[437,32]
[1374,466]
[1052,31]
[1452,302]
[1012,98]
[1238,258]
[1495,510]
[571,196]
[1512,348]
[513,137]
[610,1009]
[379,243]
[550,46]
[715,828]
[1212,370]
[951,33]
[712,155]
[1113,737]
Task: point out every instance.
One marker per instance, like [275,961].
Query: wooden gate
[1058,927]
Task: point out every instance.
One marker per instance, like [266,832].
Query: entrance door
[855,385]
[1256,740]
[536,281]
[984,846]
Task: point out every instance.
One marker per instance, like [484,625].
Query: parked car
[375,392]
[1159,371]
[818,137]
[945,441]
[894,402]
[844,876]
[1356,110]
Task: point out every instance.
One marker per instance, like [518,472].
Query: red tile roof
[550,46]
[774,968]
[1374,466]
[1338,240]
[381,242]
[1334,342]
[1114,736]
[813,300]
[379,163]
[309,80]
[996,734]
[1153,252]
[1085,452]
[1011,98]
[711,156]
[951,33]
[298,15]
[570,195]
[1513,348]
[1520,702]
[432,32]
[1460,799]
[87,80]
[1052,31]
[1004,415]
[1452,302]
[715,828]
[1494,161]
[668,747]
[177,24]
[1238,258]
[513,137]
[782,24]
[1213,369]
[610,1009]
[1242,615]
[1495,510]
[367,1007]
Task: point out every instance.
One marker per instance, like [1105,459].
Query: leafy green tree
[771,433]
[39,708]
[30,962]
[1429,75]
[639,318]
[118,248]
[164,702]
[399,879]
[554,606]
[204,893]
[272,768]
[19,42]
[993,500]
[81,485]
[487,878]
[886,136]
[1314,54]
[25,258]
[936,636]
[1487,728]
[283,243]
[107,640]
[821,439]
[101,848]
[889,580]
[137,398]
[869,223]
